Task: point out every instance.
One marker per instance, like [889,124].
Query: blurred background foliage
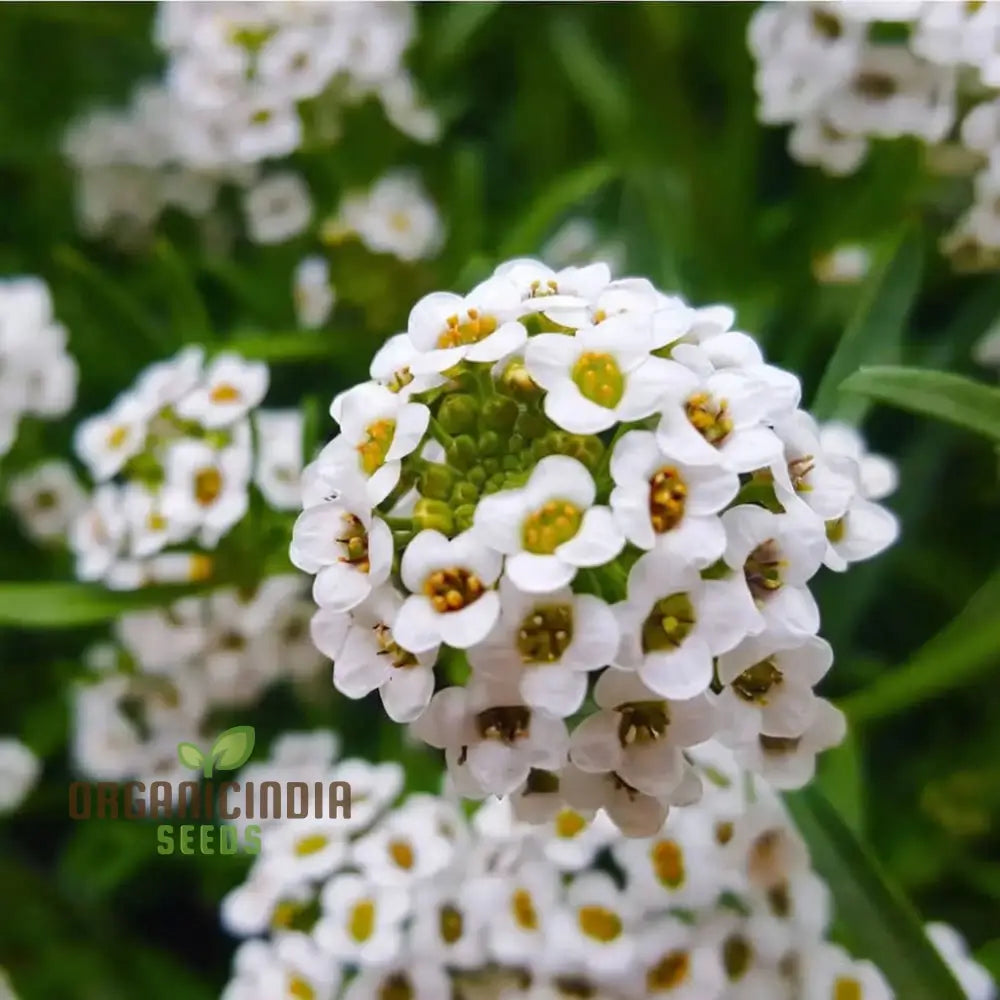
[640,117]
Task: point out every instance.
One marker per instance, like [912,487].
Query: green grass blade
[878,922]
[955,399]
[68,605]
[965,648]
[875,332]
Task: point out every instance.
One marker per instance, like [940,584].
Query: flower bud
[464,493]
[462,453]
[476,476]
[500,413]
[463,516]
[435,514]
[437,481]
[532,425]
[490,443]
[458,414]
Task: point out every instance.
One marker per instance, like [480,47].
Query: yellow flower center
[710,418]
[312,844]
[117,436]
[361,924]
[847,989]
[545,633]
[755,683]
[798,472]
[667,493]
[372,451]
[569,823]
[599,379]
[669,972]
[402,854]
[642,722]
[876,86]
[668,624]
[507,723]
[156,522]
[453,589]
[763,570]
[523,908]
[225,392]
[354,541]
[396,987]
[599,923]
[450,923]
[835,530]
[668,863]
[387,646]
[399,379]
[207,485]
[299,989]
[462,333]
[736,956]
[549,526]
[777,746]
[723,833]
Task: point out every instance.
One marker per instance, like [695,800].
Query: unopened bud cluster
[607,505]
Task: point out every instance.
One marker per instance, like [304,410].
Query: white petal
[462,629]
[594,745]
[635,456]
[598,541]
[445,722]
[680,673]
[506,339]
[535,574]
[411,425]
[566,407]
[407,693]
[595,634]
[340,587]
[328,630]
[554,689]
[549,357]
[499,519]
[417,626]
[425,554]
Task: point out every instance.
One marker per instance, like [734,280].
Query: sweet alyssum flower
[717,902]
[557,507]
[173,458]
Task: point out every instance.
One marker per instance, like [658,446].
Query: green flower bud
[464,493]
[531,425]
[515,444]
[497,481]
[463,516]
[436,481]
[458,413]
[476,476]
[490,443]
[491,465]
[500,413]
[434,514]
[463,453]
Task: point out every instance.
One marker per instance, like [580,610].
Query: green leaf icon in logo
[190,756]
[233,748]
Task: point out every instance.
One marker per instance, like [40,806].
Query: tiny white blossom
[313,295]
[230,388]
[47,499]
[278,208]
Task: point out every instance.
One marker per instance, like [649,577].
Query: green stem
[399,523]
[440,435]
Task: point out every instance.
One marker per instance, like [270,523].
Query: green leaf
[965,648]
[233,748]
[526,235]
[878,922]
[455,28]
[190,756]
[189,313]
[955,399]
[842,782]
[68,605]
[875,332]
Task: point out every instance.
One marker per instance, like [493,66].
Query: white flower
[278,207]
[864,530]
[278,469]
[717,419]
[312,292]
[305,849]
[639,736]
[768,684]
[814,141]
[47,499]
[407,847]
[367,657]
[290,966]
[790,761]
[600,375]
[149,528]
[450,597]
[348,549]
[396,216]
[230,388]
[361,921]
[549,643]
[773,557]
[165,382]
[829,970]
[572,839]
[523,908]
[378,429]
[879,476]
[843,265]
[491,737]
[106,442]
[635,814]
[19,771]
[206,487]
[660,501]
[481,326]
[550,527]
[596,931]
[97,534]
[448,927]
[263,899]
[674,964]
[673,623]
[974,979]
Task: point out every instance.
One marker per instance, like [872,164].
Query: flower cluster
[843,74]
[173,459]
[559,473]
[37,376]
[239,79]
[414,901]
[167,671]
